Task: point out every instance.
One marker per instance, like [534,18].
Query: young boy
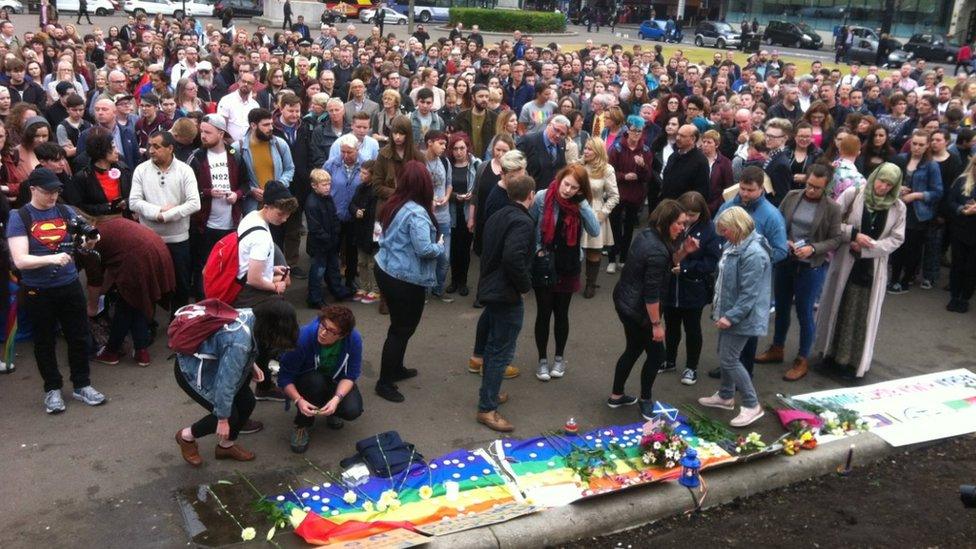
[323,241]
[70,128]
[363,211]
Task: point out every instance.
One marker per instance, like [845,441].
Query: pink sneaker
[359,296]
[142,357]
[716,401]
[371,297]
[747,416]
[108,357]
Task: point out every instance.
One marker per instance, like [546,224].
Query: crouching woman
[320,374]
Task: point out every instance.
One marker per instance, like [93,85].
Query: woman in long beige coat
[603,183]
[873,226]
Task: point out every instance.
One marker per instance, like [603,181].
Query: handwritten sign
[912,409]
[495,515]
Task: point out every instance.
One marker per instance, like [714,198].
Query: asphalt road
[105,477]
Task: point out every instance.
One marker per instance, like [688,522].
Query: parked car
[164,7]
[246,8]
[932,47]
[716,33]
[390,16]
[425,11]
[865,51]
[652,29]
[797,35]
[870,34]
[12,6]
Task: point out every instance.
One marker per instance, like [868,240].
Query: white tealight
[486,471]
[470,458]
[280,498]
[304,495]
[456,475]
[532,455]
[474,478]
[315,488]
[316,498]
[540,444]
[433,466]
[334,512]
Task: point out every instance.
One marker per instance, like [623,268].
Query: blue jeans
[932,256]
[797,282]
[734,375]
[504,324]
[325,267]
[443,260]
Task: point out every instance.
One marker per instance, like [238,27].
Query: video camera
[79,231]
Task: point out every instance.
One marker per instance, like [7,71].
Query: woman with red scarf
[562,212]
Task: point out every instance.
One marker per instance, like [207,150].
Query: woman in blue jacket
[405,268]
[320,374]
[741,310]
[921,192]
[690,288]
[218,375]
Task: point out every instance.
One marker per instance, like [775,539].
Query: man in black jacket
[687,168]
[546,152]
[506,261]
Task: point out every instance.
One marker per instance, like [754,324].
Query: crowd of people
[161,154]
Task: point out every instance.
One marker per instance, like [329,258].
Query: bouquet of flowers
[749,444]
[800,437]
[842,422]
[661,445]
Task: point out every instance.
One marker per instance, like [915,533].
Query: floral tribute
[661,445]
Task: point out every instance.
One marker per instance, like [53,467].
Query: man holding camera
[42,236]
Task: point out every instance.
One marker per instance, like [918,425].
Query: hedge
[509,20]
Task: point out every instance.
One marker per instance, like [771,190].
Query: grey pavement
[106,476]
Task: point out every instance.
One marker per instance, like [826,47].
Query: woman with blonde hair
[740,310]
[962,239]
[186,98]
[384,117]
[506,125]
[613,129]
[603,186]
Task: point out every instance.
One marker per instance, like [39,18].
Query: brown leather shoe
[235,452]
[798,370]
[494,421]
[773,355]
[475,364]
[502,398]
[189,450]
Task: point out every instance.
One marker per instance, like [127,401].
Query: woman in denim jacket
[218,376]
[406,268]
[921,192]
[741,310]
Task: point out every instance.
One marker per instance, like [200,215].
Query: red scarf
[571,217]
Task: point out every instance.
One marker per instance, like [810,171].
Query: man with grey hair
[545,151]
[687,168]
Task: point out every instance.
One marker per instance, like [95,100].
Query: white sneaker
[558,368]
[7,368]
[53,402]
[716,401]
[89,396]
[747,416]
[542,373]
[611,267]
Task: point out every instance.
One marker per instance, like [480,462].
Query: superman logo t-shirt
[47,230]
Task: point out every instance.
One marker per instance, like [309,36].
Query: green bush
[509,20]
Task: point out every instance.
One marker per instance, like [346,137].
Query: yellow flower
[807,435]
[248,534]
[394,505]
[349,497]
[368,507]
[426,492]
[381,506]
[271,533]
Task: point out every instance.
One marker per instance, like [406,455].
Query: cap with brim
[216,121]
[43,178]
[204,66]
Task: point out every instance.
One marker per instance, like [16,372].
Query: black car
[242,8]
[797,35]
[932,47]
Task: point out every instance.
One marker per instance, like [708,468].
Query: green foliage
[509,20]
[589,462]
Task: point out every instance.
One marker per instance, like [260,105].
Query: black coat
[692,287]
[540,166]
[323,225]
[685,172]
[363,199]
[85,192]
[644,279]
[506,256]
[780,175]
[301,154]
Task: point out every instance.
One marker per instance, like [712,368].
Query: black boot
[592,270]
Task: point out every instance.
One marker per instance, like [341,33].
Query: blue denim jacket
[409,248]
[927,180]
[220,366]
[742,289]
[284,167]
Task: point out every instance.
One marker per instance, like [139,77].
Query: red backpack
[220,280]
[194,323]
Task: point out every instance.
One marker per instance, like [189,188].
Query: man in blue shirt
[40,248]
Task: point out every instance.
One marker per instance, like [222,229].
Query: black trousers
[690,319]
[349,252]
[906,260]
[461,239]
[638,340]
[318,389]
[180,254]
[406,304]
[85,13]
[286,24]
[549,304]
[962,274]
[200,246]
[623,219]
[64,306]
[240,410]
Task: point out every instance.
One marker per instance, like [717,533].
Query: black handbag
[543,270]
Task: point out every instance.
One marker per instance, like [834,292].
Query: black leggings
[674,319]
[318,389]
[962,275]
[908,257]
[639,340]
[406,304]
[460,251]
[551,303]
[623,219]
[240,410]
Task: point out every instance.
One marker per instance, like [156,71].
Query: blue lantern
[690,465]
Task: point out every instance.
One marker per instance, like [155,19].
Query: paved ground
[106,476]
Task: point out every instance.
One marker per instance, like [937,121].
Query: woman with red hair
[406,268]
[561,213]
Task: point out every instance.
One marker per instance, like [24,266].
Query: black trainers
[251,426]
[646,409]
[274,394]
[625,400]
[389,392]
[667,367]
[299,273]
[334,423]
[715,373]
[405,373]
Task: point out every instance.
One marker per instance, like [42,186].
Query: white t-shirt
[220,210]
[258,246]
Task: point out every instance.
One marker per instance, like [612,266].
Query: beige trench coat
[852,200]
[605,199]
